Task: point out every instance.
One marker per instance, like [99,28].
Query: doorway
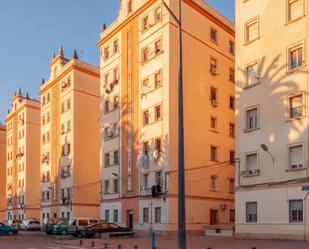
[130,219]
[213,217]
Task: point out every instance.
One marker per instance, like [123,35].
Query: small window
[157,112]
[116,185]
[213,34]
[251,161]
[252,119]
[232,157]
[158,215]
[295,9]
[158,79]
[232,130]
[157,15]
[232,47]
[146,117]
[252,74]
[130,8]
[213,183]
[116,157]
[252,30]
[106,187]
[251,212]
[213,66]
[145,53]
[213,153]
[296,158]
[158,47]
[146,148]
[296,104]
[115,215]
[232,185]
[232,103]
[116,46]
[146,180]
[213,96]
[145,23]
[106,53]
[107,160]
[106,215]
[296,211]
[213,123]
[232,75]
[295,57]
[158,144]
[146,215]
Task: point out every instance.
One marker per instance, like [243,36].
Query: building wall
[2,171]
[275,83]
[197,50]
[22,159]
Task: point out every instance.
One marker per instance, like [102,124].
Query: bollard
[119,246]
[80,242]
[153,240]
[135,247]
[92,244]
[253,247]
[105,246]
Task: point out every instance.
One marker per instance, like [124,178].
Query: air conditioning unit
[253,172]
[156,154]
[297,166]
[222,206]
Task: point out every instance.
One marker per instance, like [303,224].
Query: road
[38,240]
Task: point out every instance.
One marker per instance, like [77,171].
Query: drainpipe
[305,214]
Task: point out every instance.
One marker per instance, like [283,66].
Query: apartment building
[70,139]
[2,171]
[139,80]
[23,158]
[272,119]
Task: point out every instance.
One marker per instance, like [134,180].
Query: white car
[30,225]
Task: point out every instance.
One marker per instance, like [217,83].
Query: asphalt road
[38,240]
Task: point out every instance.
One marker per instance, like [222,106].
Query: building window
[130,8]
[232,130]
[146,117]
[107,160]
[158,79]
[295,9]
[145,23]
[252,30]
[252,74]
[107,106]
[213,153]
[232,75]
[251,212]
[116,157]
[252,119]
[295,56]
[106,187]
[145,53]
[213,96]
[145,180]
[251,161]
[296,156]
[232,185]
[106,215]
[296,104]
[158,47]
[296,211]
[116,186]
[232,103]
[232,47]
[158,112]
[213,34]
[115,215]
[158,145]
[213,123]
[157,15]
[146,215]
[232,157]
[146,148]
[213,183]
[116,46]
[158,178]
[106,53]
[158,215]
[213,66]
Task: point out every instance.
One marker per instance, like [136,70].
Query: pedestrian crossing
[58,247]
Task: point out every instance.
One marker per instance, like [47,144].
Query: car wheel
[10,233]
[64,233]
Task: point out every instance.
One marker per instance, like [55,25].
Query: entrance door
[130,219]
[213,217]
[232,216]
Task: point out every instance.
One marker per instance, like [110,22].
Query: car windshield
[83,222]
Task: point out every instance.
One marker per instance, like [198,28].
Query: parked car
[78,223]
[30,225]
[49,226]
[98,229]
[16,224]
[7,230]
[61,227]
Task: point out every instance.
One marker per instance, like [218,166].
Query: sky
[31,30]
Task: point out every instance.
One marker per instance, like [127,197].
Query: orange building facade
[70,139]
[139,80]
[2,171]
[22,158]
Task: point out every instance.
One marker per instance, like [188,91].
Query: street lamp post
[181,160]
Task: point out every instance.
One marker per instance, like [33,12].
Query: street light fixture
[181,160]
[265,148]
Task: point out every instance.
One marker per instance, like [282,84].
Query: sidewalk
[193,242]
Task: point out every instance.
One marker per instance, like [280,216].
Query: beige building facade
[2,171]
[272,119]
[139,70]
[22,158]
[70,139]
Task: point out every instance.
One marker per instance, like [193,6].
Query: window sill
[214,130]
[293,70]
[250,130]
[294,119]
[253,40]
[152,58]
[293,170]
[294,20]
[252,85]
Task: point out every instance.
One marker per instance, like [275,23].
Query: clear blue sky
[31,30]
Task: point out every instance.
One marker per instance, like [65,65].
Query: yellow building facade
[70,139]
[272,119]
[139,61]
[2,171]
[22,158]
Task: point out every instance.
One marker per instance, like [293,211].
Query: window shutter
[251,161]
[296,155]
[296,9]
